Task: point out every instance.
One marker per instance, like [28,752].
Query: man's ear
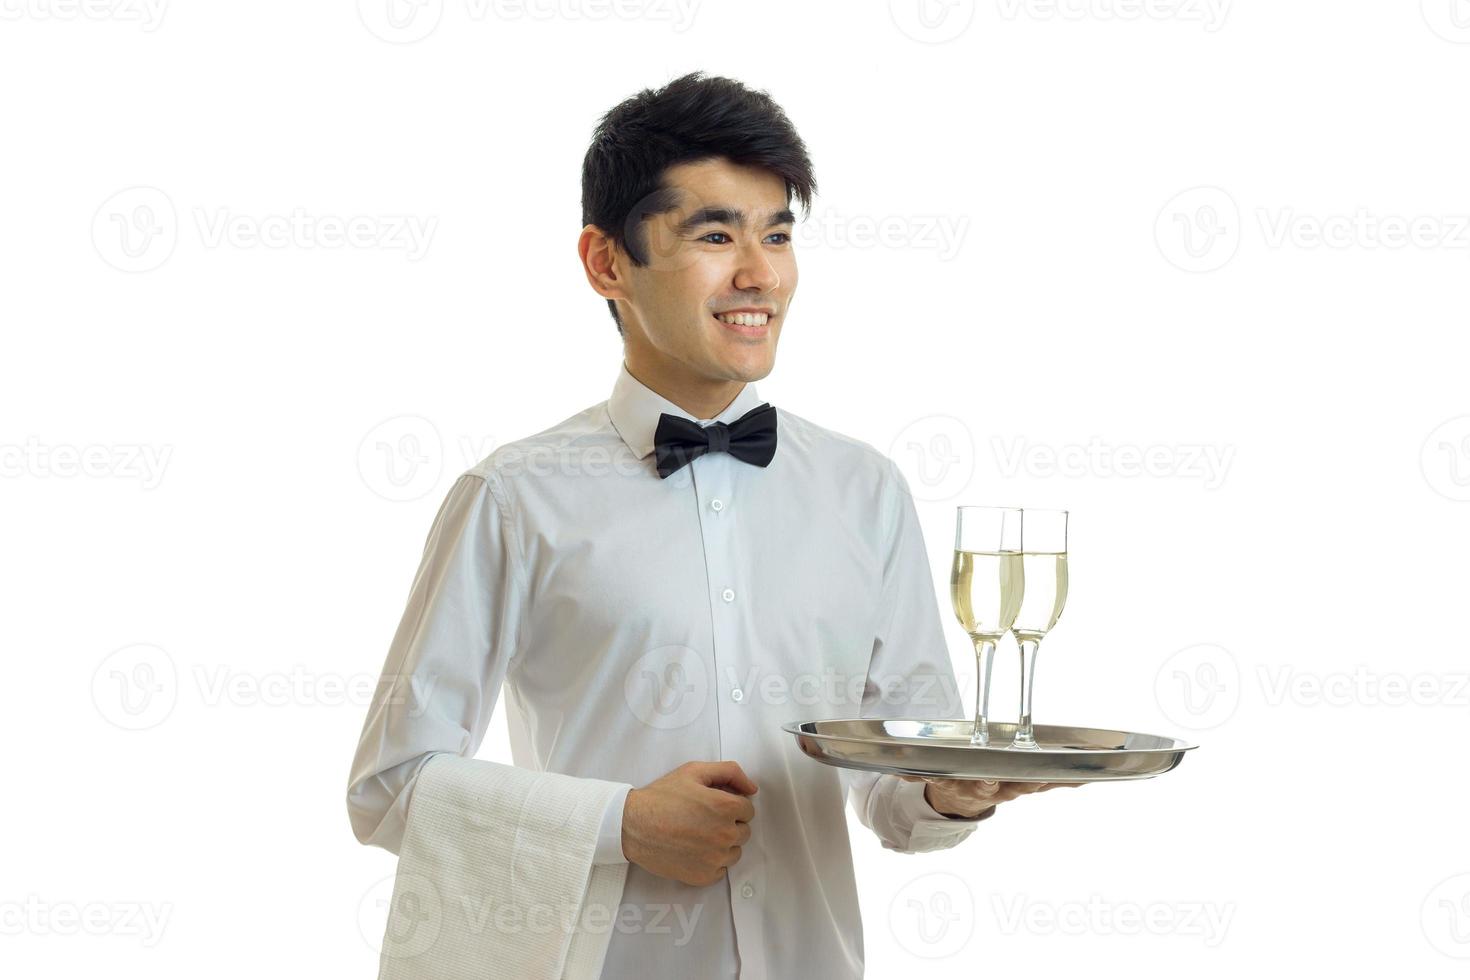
[603,262]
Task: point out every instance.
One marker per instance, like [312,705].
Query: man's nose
[756,271]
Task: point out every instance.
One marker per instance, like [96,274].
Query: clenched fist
[689,824]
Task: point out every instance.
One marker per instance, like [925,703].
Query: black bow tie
[751,437]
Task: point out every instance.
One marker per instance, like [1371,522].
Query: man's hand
[689,824]
[972,797]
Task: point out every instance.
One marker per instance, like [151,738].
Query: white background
[1229,239]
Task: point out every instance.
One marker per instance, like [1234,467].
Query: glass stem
[984,655]
[1025,738]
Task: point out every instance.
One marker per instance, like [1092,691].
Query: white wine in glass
[1044,561]
[985,588]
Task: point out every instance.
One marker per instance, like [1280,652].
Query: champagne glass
[985,587]
[1044,572]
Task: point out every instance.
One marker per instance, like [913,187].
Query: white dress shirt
[639,623]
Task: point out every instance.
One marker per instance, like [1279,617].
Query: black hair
[694,117]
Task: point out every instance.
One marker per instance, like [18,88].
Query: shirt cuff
[610,838]
[912,803]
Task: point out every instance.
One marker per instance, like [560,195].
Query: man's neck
[702,398]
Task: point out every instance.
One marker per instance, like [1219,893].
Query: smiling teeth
[743,319]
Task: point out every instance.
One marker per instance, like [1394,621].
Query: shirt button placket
[738,722]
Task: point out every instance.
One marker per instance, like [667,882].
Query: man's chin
[743,361]
[749,369]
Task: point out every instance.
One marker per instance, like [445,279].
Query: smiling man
[664,579]
[701,289]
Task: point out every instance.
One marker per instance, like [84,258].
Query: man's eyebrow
[724,215]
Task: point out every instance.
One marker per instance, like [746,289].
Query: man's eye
[782,238]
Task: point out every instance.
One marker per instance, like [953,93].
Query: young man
[666,578]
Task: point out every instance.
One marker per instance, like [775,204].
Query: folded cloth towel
[496,876]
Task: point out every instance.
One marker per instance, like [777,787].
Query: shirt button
[746,890]
[728,595]
[717,504]
[737,694]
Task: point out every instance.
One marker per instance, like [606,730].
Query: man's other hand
[972,797]
[689,824]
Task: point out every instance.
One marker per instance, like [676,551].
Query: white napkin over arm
[475,836]
[496,876]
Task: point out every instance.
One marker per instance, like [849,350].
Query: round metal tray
[941,748]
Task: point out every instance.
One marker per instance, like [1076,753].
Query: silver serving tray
[925,747]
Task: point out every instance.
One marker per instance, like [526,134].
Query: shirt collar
[634,409]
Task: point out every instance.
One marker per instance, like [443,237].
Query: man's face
[725,247]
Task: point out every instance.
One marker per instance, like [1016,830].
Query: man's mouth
[748,324]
